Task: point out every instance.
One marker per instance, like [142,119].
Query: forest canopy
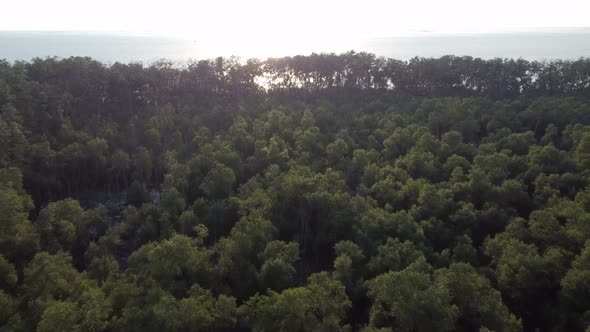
[330,192]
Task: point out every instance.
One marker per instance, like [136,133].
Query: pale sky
[298,18]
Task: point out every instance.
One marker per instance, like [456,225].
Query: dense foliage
[314,193]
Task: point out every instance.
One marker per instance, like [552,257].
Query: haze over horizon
[265,19]
[115,30]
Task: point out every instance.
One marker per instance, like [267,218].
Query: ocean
[546,44]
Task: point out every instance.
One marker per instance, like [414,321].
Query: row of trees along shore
[445,76]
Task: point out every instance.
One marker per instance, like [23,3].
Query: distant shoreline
[108,47]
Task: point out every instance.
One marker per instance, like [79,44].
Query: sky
[214,19]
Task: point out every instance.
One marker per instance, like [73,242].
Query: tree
[50,278]
[199,310]
[95,223]
[142,163]
[59,316]
[175,264]
[8,276]
[410,301]
[575,288]
[8,306]
[583,152]
[277,271]
[120,164]
[101,267]
[60,225]
[377,225]
[90,314]
[349,262]
[521,272]
[18,239]
[219,182]
[94,310]
[239,254]
[321,305]
[393,256]
[138,193]
[337,151]
[479,304]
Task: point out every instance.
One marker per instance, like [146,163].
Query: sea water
[546,44]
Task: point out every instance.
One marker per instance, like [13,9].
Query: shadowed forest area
[330,192]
